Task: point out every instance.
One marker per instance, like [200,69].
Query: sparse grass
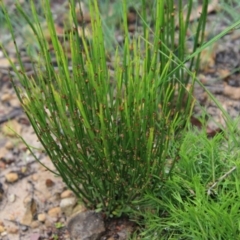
[202,199]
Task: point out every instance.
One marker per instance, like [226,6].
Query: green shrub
[111,137]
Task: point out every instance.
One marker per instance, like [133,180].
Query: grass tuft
[110,137]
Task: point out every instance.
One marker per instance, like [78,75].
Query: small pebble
[2,229]
[41,217]
[24,169]
[15,102]
[3,234]
[12,198]
[67,205]
[11,177]
[120,38]
[67,194]
[54,212]
[131,17]
[24,228]
[131,27]
[35,177]
[27,200]
[49,183]
[6,97]
[9,145]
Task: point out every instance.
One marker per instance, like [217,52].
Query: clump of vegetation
[201,200]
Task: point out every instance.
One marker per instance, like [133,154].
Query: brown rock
[2,229]
[6,97]
[131,27]
[41,217]
[15,102]
[232,92]
[11,177]
[27,200]
[35,177]
[131,17]
[54,212]
[67,194]
[9,145]
[49,183]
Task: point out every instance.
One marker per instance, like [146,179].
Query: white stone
[67,205]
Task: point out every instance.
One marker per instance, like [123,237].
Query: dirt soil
[31,197]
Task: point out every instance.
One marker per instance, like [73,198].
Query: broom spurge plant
[111,135]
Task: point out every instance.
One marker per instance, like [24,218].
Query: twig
[220,179]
